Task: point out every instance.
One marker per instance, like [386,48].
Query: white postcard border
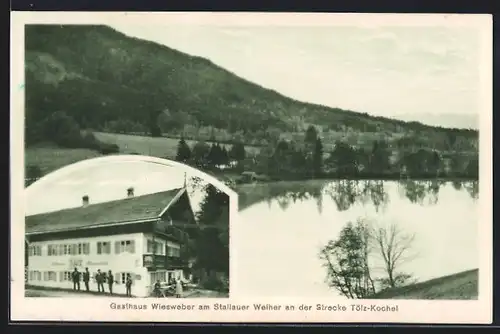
[414,311]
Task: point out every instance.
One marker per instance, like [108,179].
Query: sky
[106,182]
[386,71]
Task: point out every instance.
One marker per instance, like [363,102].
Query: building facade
[137,235]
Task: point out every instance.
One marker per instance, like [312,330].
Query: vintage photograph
[126,228]
[356,148]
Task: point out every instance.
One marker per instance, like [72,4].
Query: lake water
[287,223]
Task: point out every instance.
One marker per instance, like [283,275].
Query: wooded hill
[97,78]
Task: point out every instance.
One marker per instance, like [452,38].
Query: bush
[216,284]
[88,140]
[105,148]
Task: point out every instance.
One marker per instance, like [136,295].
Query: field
[50,158]
[463,285]
[162,147]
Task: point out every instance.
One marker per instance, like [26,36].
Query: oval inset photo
[131,226]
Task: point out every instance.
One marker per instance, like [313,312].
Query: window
[35,275]
[150,246]
[45,275]
[155,247]
[123,278]
[160,250]
[174,251]
[74,249]
[86,248]
[65,276]
[52,276]
[158,276]
[60,250]
[34,250]
[126,246]
[52,250]
[66,250]
[80,248]
[103,247]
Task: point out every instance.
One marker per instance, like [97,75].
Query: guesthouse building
[137,235]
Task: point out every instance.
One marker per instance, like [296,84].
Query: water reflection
[422,192]
[346,193]
[293,220]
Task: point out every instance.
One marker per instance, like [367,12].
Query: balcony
[154,262]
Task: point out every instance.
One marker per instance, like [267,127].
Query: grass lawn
[162,147]
[463,285]
[50,159]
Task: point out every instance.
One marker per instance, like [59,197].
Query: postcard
[251,167]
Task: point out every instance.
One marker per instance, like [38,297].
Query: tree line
[307,159]
[210,156]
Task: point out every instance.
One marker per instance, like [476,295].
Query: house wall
[54,270]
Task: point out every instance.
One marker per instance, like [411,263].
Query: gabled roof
[127,210]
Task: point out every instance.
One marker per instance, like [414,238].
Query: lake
[284,224]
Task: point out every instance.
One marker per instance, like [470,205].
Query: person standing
[157,289]
[86,278]
[178,288]
[110,282]
[128,284]
[104,280]
[75,276]
[99,280]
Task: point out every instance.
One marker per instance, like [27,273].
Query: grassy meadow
[163,147]
[463,285]
[50,158]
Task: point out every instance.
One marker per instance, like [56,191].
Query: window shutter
[61,276]
[117,247]
[132,246]
[117,278]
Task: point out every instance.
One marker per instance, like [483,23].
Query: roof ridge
[107,202]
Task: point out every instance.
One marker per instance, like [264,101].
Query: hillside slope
[463,285]
[97,75]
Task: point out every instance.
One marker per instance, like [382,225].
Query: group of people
[176,283]
[101,278]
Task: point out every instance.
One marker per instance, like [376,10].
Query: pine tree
[225,156]
[183,151]
[200,153]
[311,135]
[379,157]
[238,152]
[213,242]
[310,142]
[318,158]
[212,156]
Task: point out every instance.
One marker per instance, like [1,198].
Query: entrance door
[152,278]
[171,276]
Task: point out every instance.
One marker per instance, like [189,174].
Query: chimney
[85,201]
[130,192]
